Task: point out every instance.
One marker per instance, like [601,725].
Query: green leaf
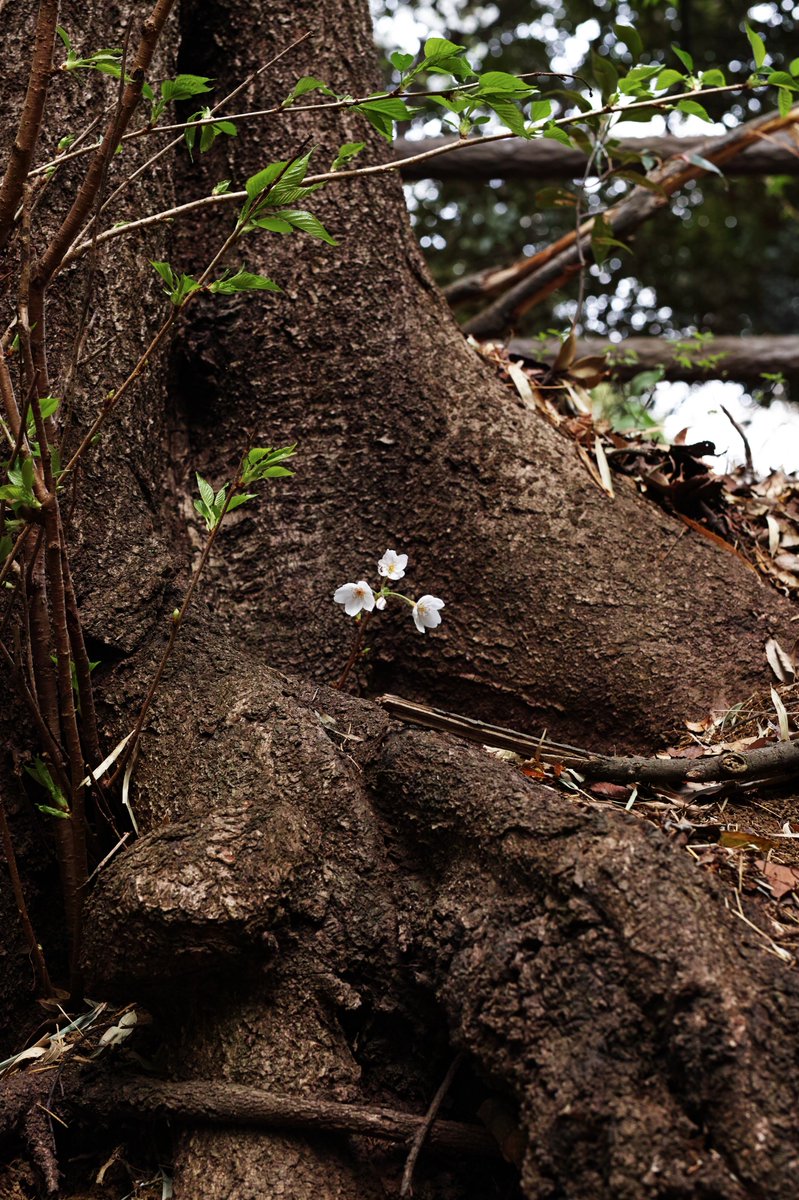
[784,102]
[258,183]
[694,108]
[183,87]
[220,188]
[62,33]
[684,57]
[48,406]
[262,461]
[241,498]
[757,44]
[401,62]
[308,223]
[273,224]
[501,81]
[437,48]
[346,154]
[65,815]
[782,79]
[243,281]
[555,197]
[668,77]
[630,37]
[308,83]
[6,546]
[793,66]
[603,240]
[540,110]
[166,273]
[206,491]
[509,115]
[713,78]
[556,134]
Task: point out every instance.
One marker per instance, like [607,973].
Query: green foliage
[264,463]
[257,465]
[58,806]
[242,281]
[107,61]
[178,287]
[182,87]
[346,154]
[18,492]
[208,133]
[276,185]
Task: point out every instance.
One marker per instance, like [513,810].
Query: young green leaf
[308,83]
[436,48]
[243,281]
[346,154]
[694,108]
[308,223]
[684,57]
[757,44]
[183,87]
[401,62]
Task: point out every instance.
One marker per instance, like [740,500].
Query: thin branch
[169,214]
[422,1133]
[43,984]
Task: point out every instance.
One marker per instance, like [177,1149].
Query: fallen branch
[530,281]
[541,159]
[769,764]
[744,358]
[206,1100]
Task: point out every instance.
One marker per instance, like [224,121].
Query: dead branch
[207,1100]
[544,159]
[771,763]
[744,358]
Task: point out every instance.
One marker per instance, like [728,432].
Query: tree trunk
[320,903]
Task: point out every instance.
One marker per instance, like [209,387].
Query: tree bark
[536,160]
[310,913]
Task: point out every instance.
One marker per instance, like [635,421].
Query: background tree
[308,914]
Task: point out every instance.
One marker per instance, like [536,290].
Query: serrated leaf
[62,33]
[757,44]
[501,81]
[206,491]
[713,78]
[308,83]
[308,223]
[259,182]
[437,48]
[793,66]
[668,77]
[243,281]
[166,273]
[239,499]
[784,102]
[509,115]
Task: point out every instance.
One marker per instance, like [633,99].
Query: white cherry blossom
[392,565]
[354,597]
[426,614]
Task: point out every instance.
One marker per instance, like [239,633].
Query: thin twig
[742,434]
[423,1131]
[43,983]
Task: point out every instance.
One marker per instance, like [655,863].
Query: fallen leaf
[735,839]
[780,662]
[781,879]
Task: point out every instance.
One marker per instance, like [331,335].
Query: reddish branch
[19,159]
[528,282]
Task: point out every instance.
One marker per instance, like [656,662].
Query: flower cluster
[359,597]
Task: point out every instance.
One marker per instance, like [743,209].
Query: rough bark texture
[310,913]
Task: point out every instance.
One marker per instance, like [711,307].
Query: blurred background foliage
[724,259]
